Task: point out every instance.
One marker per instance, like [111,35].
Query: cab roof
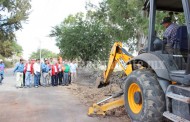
[166,5]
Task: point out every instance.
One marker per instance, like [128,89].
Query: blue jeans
[60,77]
[1,78]
[54,80]
[36,79]
[66,78]
[28,79]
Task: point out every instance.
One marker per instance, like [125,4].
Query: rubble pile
[85,90]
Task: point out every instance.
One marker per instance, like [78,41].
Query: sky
[45,14]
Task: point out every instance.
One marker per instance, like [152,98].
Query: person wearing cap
[2,68]
[169,34]
[19,69]
[45,73]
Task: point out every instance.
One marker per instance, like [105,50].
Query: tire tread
[155,96]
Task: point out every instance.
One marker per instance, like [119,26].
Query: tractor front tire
[144,98]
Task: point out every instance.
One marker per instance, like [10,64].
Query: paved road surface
[52,104]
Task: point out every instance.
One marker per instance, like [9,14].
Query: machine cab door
[181,52]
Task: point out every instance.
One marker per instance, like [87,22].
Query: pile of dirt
[88,77]
[89,95]
[85,90]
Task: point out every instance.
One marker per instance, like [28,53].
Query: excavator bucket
[100,82]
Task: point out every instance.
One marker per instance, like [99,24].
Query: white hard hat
[1,60]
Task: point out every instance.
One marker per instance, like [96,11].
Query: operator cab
[175,64]
[178,62]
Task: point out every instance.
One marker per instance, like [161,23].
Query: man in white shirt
[73,69]
[37,69]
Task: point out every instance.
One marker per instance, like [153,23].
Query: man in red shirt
[28,70]
[54,74]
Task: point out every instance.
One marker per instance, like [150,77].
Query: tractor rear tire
[144,98]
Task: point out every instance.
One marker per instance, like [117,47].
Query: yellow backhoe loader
[158,83]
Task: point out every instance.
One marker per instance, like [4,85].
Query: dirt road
[51,104]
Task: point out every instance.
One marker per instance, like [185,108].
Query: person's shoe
[36,86]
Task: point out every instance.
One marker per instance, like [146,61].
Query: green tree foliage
[8,48]
[17,49]
[45,53]
[89,36]
[12,14]
[8,63]
[127,20]
[82,37]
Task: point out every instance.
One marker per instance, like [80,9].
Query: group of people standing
[53,72]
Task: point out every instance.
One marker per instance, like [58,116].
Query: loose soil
[84,89]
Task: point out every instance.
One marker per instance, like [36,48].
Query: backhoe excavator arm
[117,55]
